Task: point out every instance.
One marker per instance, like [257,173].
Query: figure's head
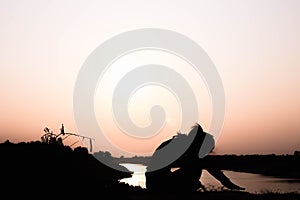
[207,145]
[204,141]
[197,133]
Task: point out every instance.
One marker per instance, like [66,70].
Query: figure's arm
[220,176]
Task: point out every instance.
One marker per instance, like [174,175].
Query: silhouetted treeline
[134,159]
[274,165]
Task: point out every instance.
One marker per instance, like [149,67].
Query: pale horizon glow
[254,45]
[146,97]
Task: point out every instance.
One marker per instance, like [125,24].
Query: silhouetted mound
[37,166]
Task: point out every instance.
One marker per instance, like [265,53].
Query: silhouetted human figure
[190,163]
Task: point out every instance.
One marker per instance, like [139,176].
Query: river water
[254,183]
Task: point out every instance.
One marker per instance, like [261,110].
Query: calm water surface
[253,183]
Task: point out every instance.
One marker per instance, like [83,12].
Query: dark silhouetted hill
[35,167]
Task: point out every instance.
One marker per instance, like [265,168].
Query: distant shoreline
[282,166]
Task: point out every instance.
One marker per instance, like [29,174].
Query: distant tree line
[287,165]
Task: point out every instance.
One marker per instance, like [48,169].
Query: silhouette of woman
[190,164]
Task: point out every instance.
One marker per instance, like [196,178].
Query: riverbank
[35,169]
[216,196]
[253,183]
[126,192]
[284,166]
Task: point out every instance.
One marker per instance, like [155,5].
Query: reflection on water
[253,183]
[138,176]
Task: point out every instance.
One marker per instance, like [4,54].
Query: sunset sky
[254,45]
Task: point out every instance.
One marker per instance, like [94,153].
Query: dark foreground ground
[36,170]
[126,192]
[222,196]
[212,195]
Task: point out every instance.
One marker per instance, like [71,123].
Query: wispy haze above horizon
[254,45]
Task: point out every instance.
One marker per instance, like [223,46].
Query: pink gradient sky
[255,46]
